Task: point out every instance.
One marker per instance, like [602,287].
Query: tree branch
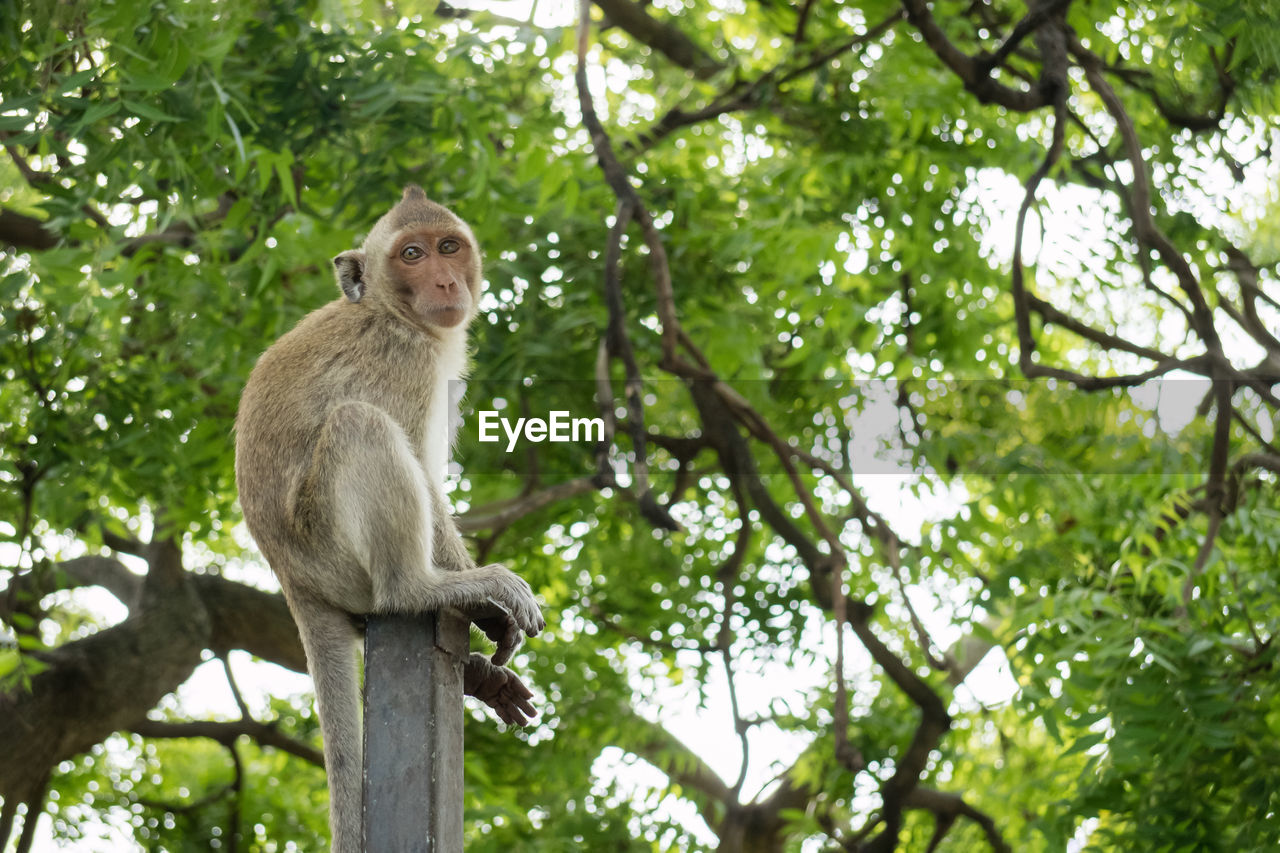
[672,756]
[617,179]
[945,805]
[486,518]
[662,36]
[226,733]
[741,95]
[972,73]
[25,232]
[934,723]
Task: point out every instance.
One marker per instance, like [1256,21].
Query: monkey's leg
[331,643]
[366,485]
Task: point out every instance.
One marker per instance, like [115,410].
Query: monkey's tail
[332,645]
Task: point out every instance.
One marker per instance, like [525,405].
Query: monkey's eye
[411,253]
[448,246]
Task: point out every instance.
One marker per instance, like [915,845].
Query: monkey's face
[430,270]
[420,262]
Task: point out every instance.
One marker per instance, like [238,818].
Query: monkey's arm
[449,552]
[499,688]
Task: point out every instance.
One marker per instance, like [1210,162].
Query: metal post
[413,732]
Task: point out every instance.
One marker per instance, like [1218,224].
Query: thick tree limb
[241,617]
[26,588]
[226,733]
[101,684]
[251,620]
[110,680]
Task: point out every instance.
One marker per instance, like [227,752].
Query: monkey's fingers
[525,706]
[512,703]
[513,711]
[516,696]
[538,623]
[495,627]
[516,714]
[500,625]
[508,644]
[511,717]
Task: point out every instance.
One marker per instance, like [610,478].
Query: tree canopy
[937,347]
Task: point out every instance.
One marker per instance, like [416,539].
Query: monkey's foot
[513,594]
[500,689]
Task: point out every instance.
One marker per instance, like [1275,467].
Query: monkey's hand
[500,689]
[503,630]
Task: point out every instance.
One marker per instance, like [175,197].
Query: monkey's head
[420,261]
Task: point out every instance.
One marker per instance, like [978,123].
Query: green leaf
[74,81]
[15,122]
[148,112]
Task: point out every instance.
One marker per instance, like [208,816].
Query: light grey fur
[340,437]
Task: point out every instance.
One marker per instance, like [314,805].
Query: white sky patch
[207,695]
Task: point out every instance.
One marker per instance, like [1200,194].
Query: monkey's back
[339,353]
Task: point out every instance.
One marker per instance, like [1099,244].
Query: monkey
[343,438]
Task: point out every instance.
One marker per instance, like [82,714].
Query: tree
[769,246]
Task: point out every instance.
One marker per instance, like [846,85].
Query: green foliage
[836,252]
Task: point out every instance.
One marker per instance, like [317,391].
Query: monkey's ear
[413,192]
[350,269]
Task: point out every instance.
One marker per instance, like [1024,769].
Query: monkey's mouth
[442,315]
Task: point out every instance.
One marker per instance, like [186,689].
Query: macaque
[343,439]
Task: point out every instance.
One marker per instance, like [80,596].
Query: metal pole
[413,732]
